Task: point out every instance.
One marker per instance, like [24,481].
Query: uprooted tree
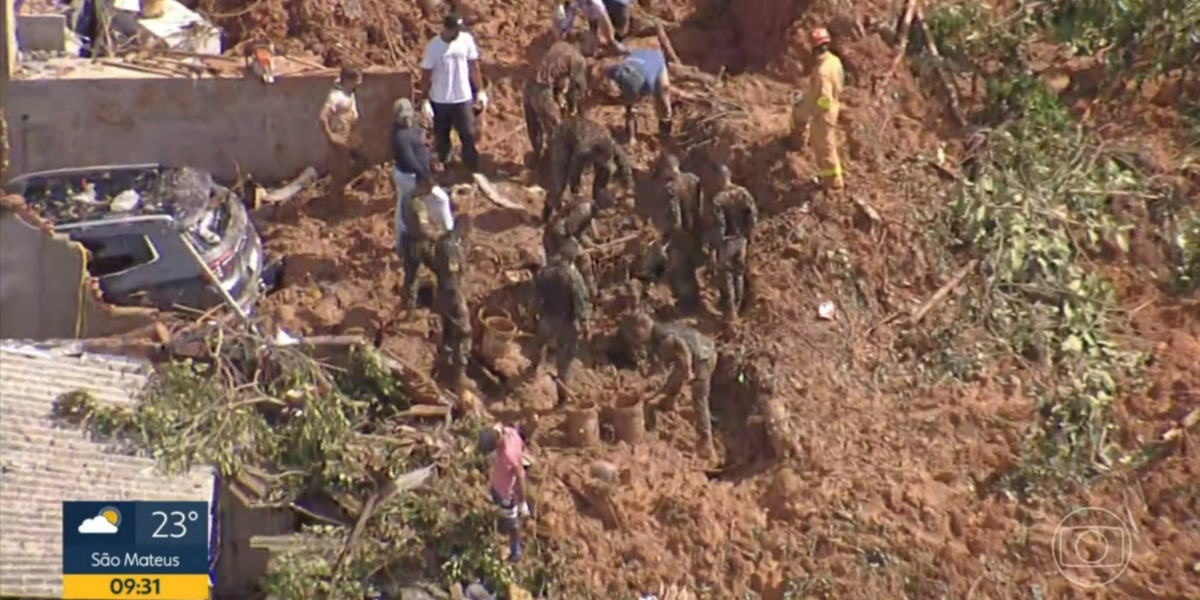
[401,500]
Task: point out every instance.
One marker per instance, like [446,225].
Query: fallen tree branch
[493,195]
[942,292]
[946,82]
[906,19]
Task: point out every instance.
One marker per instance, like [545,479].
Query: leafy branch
[1036,215]
[339,436]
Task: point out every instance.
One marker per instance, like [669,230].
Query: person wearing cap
[644,73]
[339,121]
[815,115]
[608,20]
[452,88]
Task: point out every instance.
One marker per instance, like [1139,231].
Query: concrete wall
[239,566]
[43,292]
[268,130]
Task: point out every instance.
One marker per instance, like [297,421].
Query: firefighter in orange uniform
[815,115]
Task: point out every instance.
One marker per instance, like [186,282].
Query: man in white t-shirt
[453,90]
[339,121]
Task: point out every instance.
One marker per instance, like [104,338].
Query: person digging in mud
[577,144]
[564,69]
[815,115]
[644,73]
[572,225]
[542,118]
[564,308]
[691,357]
[454,349]
[735,215]
[608,20]
[423,217]
[339,121]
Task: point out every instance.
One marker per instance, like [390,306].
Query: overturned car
[155,235]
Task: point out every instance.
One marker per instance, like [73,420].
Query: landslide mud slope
[887,496]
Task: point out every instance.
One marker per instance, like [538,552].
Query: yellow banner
[157,587]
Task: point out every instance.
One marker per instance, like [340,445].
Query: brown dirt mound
[885,498]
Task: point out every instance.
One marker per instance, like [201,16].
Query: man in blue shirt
[644,73]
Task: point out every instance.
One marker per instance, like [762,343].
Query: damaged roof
[43,464]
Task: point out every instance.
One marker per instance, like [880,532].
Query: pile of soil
[886,496]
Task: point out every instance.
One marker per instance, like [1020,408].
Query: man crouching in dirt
[564,69]
[564,308]
[579,143]
[339,121]
[692,358]
[735,215]
[572,225]
[644,73]
[454,351]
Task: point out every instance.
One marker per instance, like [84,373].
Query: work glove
[427,109]
[523,509]
[481,101]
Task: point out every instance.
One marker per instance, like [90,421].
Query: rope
[83,285]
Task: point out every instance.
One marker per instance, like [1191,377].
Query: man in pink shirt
[508,484]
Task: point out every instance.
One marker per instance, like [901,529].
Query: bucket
[498,333]
[153,9]
[629,419]
[583,425]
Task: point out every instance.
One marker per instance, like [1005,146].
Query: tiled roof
[43,463]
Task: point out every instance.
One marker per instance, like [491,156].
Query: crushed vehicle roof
[77,195]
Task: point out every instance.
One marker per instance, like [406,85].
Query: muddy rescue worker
[574,223]
[339,121]
[644,73]
[564,308]
[451,303]
[692,358]
[815,116]
[423,216]
[564,69]
[577,144]
[735,216]
[608,20]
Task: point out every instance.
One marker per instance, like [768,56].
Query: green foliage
[1138,38]
[1141,37]
[306,429]
[1035,215]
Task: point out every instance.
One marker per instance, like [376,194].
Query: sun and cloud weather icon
[106,521]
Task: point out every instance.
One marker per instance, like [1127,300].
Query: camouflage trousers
[564,336]
[701,389]
[731,275]
[685,285]
[454,349]
[414,252]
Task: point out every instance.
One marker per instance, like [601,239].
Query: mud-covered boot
[664,128]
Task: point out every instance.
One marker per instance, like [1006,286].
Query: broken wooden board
[493,195]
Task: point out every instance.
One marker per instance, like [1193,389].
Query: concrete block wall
[216,124]
[44,294]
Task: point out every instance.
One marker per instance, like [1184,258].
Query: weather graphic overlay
[135,550]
